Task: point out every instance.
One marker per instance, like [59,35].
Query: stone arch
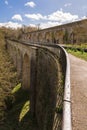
[40,37]
[72,37]
[26,72]
[35,37]
[29,37]
[59,36]
[48,37]
[53,37]
[32,37]
[56,37]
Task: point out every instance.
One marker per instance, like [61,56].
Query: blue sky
[47,13]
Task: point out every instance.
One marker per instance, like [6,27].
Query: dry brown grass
[14,107]
[8,76]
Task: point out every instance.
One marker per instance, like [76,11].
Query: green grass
[25,109]
[15,89]
[73,50]
[82,45]
[79,54]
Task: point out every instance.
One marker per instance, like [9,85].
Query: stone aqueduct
[40,72]
[43,67]
[73,33]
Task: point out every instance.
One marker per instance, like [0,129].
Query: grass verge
[79,54]
[81,46]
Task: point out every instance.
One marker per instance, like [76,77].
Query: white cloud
[6,2]
[30,4]
[11,25]
[49,24]
[17,17]
[32,25]
[68,4]
[45,24]
[62,17]
[35,16]
[58,16]
[84,17]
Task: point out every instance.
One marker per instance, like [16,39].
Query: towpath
[78,77]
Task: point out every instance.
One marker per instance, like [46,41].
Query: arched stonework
[26,72]
[29,37]
[32,37]
[71,38]
[48,36]
[40,37]
[35,37]
[58,35]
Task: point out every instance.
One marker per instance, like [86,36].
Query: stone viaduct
[43,72]
[71,33]
[43,67]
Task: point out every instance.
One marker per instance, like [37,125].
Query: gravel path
[78,93]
